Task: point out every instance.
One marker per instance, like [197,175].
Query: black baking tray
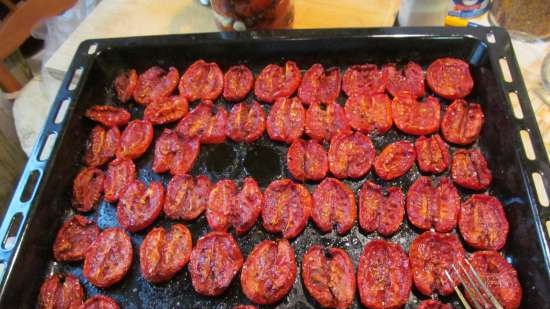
[42,198]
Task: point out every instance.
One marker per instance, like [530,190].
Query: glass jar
[239,15]
[528,16]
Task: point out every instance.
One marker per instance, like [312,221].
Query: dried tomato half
[320,86]
[166,109]
[432,154]
[246,122]
[125,83]
[155,83]
[139,205]
[450,78]
[369,113]
[350,155]
[135,139]
[237,83]
[307,160]
[363,79]
[323,122]
[202,80]
[416,117]
[108,116]
[174,153]
[102,146]
[285,122]
[462,122]
[334,205]
[395,160]
[87,188]
[120,172]
[277,82]
[205,123]
[60,291]
[187,198]
[381,209]
[469,169]
[73,239]
[408,81]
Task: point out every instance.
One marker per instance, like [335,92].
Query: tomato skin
[155,83]
[430,205]
[499,276]
[202,122]
[323,124]
[60,291]
[125,83]
[102,146]
[285,121]
[187,198]
[174,153]
[237,83]
[287,208]
[329,276]
[469,169]
[432,154]
[334,205]
[269,272]
[492,234]
[450,78]
[307,160]
[408,81]
[430,255]
[350,155]
[433,304]
[202,80]
[135,139]
[104,271]
[120,172]
[215,260]
[363,79]
[276,82]
[462,122]
[164,253]
[139,205]
[381,209]
[415,117]
[99,302]
[73,239]
[87,188]
[320,86]
[395,160]
[108,116]
[166,109]
[246,122]
[369,113]
[384,276]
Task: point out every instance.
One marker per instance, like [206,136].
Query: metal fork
[480,296]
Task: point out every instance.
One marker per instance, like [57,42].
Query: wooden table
[120,18]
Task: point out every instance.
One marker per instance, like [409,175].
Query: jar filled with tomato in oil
[239,15]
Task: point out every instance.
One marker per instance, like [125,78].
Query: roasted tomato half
[202,80]
[323,122]
[73,239]
[307,160]
[87,188]
[108,116]
[139,206]
[350,155]
[174,153]
[246,122]
[408,81]
[237,83]
[99,302]
[462,122]
[285,122]
[469,169]
[166,109]
[381,209]
[135,139]
[334,205]
[60,292]
[450,78]
[120,172]
[277,82]
[395,160]
[186,197]
[205,122]
[369,113]
[416,117]
[432,154]
[363,79]
[102,146]
[155,83]
[320,86]
[125,83]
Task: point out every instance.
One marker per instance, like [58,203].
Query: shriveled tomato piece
[99,302]
[108,116]
[125,83]
[433,304]
[432,154]
[166,109]
[135,139]
[395,160]
[320,86]
[499,277]
[323,122]
[215,260]
[462,122]
[381,209]
[187,198]
[109,258]
[482,222]
[237,83]
[102,146]
[450,78]
[334,205]
[202,122]
[369,113]
[431,254]
[363,79]
[285,122]
[269,272]
[414,117]
[164,253]
[87,188]
[60,291]
[155,83]
[307,160]
[202,80]
[287,208]
[139,205]
[408,81]
[174,153]
[329,276]
[384,275]
[246,122]
[73,239]
[277,82]
[469,169]
[350,155]
[430,205]
[221,202]
[120,172]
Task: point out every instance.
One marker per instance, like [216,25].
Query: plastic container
[423,12]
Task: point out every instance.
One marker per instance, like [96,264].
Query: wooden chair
[17,26]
